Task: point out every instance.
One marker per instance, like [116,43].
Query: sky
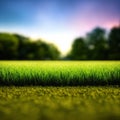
[57,21]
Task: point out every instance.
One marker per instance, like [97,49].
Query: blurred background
[59,30]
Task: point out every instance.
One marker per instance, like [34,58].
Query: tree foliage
[8,46]
[79,49]
[114,43]
[15,46]
[97,46]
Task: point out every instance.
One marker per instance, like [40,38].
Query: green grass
[59,73]
[60,103]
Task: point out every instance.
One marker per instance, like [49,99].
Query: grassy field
[60,103]
[56,73]
[22,96]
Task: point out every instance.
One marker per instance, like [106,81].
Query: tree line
[96,45]
[18,47]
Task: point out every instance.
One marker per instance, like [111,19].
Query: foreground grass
[56,73]
[59,103]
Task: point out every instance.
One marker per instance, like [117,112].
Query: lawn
[59,73]
[60,103]
[59,90]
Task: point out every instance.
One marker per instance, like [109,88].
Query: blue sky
[57,21]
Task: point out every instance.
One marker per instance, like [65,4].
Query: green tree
[97,44]
[40,50]
[54,52]
[8,46]
[15,46]
[45,51]
[24,47]
[114,43]
[79,50]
